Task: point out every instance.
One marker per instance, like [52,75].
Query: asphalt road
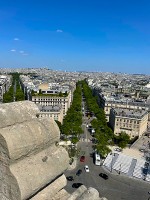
[117,187]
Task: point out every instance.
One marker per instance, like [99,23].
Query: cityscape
[74,100]
[97,124]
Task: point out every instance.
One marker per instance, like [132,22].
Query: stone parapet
[31,161]
[29,157]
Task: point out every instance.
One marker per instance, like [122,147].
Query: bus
[97,159]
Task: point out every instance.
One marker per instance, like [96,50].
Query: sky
[76,35]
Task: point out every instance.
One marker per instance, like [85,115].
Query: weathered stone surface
[32,173]
[29,137]
[89,194]
[31,164]
[9,188]
[30,160]
[77,193]
[61,195]
[16,112]
[51,190]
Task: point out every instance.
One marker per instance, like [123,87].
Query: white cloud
[16,39]
[21,51]
[59,31]
[13,50]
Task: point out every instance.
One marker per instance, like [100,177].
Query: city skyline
[76,35]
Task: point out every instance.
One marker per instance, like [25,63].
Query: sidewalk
[73,165]
[135,153]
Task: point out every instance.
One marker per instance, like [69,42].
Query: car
[104,176]
[70,178]
[118,149]
[142,150]
[76,185]
[82,159]
[86,168]
[79,172]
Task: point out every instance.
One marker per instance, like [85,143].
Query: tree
[122,140]
[15,91]
[74,140]
[73,119]
[40,91]
[59,124]
[60,94]
[102,149]
[32,92]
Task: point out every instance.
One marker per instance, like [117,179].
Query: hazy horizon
[110,36]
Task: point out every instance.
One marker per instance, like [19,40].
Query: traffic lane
[119,187]
[116,187]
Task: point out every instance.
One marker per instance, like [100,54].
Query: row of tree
[103,133]
[73,120]
[15,92]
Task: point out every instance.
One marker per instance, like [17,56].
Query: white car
[118,149]
[86,168]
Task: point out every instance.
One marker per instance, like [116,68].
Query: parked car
[76,185]
[118,149]
[142,150]
[79,172]
[70,178]
[104,176]
[86,168]
[82,159]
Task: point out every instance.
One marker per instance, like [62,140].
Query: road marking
[84,140]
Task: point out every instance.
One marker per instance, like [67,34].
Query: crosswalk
[126,165]
[85,140]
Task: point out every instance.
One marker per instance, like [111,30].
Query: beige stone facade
[54,112]
[107,103]
[5,82]
[50,100]
[133,122]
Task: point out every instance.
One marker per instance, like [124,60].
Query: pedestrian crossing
[127,165]
[85,140]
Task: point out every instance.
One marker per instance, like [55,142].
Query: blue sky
[76,35]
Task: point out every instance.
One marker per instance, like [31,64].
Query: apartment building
[51,100]
[107,102]
[133,122]
[5,82]
[55,112]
